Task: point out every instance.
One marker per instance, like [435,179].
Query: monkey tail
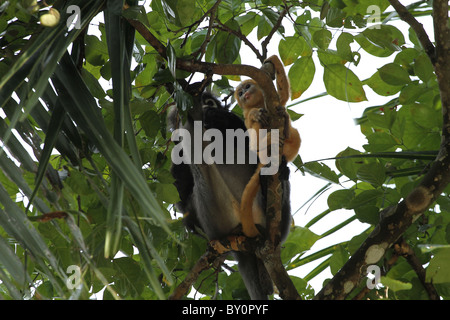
[246,209]
[255,275]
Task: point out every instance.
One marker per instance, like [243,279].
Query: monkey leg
[292,144]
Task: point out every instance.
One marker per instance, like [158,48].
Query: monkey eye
[240,93]
[248,86]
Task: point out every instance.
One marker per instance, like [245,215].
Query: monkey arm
[282,80]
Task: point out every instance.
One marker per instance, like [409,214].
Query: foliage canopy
[85,161]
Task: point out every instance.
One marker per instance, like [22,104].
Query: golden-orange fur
[251,99]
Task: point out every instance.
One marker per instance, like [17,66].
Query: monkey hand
[259,115]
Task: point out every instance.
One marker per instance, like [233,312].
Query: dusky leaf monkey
[211,193]
[250,98]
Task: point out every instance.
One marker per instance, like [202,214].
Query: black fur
[208,208]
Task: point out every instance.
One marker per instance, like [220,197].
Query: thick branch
[406,16]
[406,251]
[270,254]
[395,220]
[204,263]
[261,77]
[271,257]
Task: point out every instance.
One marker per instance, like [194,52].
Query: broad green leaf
[227,45]
[304,289]
[423,67]
[394,75]
[381,40]
[298,241]
[338,259]
[329,56]
[301,75]
[247,22]
[412,92]
[381,142]
[340,199]
[322,171]
[406,58]
[425,116]
[290,48]
[381,87]
[322,38]
[368,214]
[395,285]
[343,84]
[373,173]
[348,166]
[386,119]
[366,197]
[343,46]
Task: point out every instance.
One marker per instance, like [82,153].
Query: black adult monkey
[210,194]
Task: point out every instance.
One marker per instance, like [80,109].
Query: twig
[243,39]
[406,16]
[261,77]
[270,253]
[405,250]
[272,32]
[206,260]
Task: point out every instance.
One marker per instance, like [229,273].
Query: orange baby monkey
[251,99]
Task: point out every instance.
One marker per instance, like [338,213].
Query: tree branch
[271,33]
[260,76]
[205,262]
[406,251]
[396,219]
[243,39]
[270,253]
[406,16]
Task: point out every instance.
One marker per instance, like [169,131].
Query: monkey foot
[230,243]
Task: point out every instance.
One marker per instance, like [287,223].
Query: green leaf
[227,45]
[348,166]
[340,199]
[338,259]
[343,84]
[395,285]
[380,142]
[166,192]
[394,75]
[301,75]
[322,38]
[343,46]
[368,214]
[412,92]
[366,197]
[298,241]
[425,116]
[381,87]
[438,271]
[381,41]
[322,171]
[423,67]
[290,48]
[373,173]
[304,289]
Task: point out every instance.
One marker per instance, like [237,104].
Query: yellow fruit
[51,18]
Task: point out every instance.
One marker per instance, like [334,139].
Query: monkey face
[249,95]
